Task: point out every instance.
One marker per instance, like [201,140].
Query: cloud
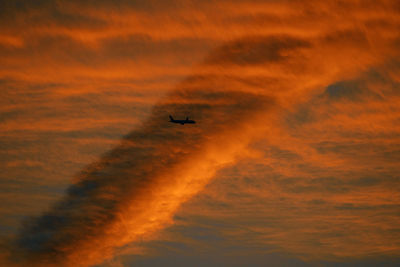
[257,50]
[136,187]
[292,79]
[323,187]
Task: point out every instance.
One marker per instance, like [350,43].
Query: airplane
[180,121]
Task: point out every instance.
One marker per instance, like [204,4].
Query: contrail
[135,189]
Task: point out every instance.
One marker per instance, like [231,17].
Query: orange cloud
[277,72]
[323,185]
[135,189]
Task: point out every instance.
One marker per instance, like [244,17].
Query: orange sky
[295,149]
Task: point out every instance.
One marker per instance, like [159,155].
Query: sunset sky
[293,160]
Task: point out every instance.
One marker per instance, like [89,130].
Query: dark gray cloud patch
[350,90]
[370,86]
[257,50]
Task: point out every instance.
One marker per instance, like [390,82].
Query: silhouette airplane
[180,121]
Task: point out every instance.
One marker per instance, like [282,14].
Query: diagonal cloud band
[134,189]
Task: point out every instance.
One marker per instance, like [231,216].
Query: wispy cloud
[311,87]
[137,186]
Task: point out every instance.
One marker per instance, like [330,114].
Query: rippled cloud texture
[295,150]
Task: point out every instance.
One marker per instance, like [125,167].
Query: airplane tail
[170,118]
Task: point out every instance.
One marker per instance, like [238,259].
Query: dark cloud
[257,50]
[350,90]
[370,86]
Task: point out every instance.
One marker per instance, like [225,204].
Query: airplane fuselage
[182,122]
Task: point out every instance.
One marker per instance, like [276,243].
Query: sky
[293,160]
